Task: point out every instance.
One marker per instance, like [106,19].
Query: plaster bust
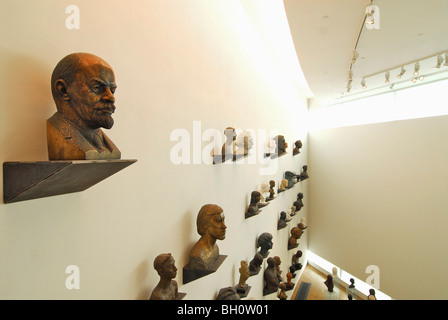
[211,227]
[83,87]
[244,143]
[166,289]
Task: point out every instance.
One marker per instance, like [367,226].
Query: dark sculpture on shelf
[282,221]
[83,87]
[302,226]
[329,283]
[211,227]
[253,209]
[371,295]
[228,293]
[296,233]
[298,146]
[295,264]
[271,190]
[299,203]
[304,174]
[291,177]
[270,277]
[166,289]
[255,264]
[264,242]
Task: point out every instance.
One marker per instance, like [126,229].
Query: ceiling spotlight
[439,62]
[372,17]
[446,60]
[402,72]
[363,83]
[421,78]
[387,77]
[416,68]
[392,86]
[414,80]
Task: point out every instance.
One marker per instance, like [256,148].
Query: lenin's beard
[99,116]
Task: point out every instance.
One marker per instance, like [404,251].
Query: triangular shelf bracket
[32,180]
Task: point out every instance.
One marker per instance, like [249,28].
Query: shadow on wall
[26,105]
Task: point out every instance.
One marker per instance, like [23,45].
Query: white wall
[221,62]
[378,197]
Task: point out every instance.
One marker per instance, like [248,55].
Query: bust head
[83,87]
[164,265]
[210,221]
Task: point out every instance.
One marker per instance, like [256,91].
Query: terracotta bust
[166,289]
[304,174]
[83,87]
[295,235]
[244,275]
[211,227]
[329,283]
[298,146]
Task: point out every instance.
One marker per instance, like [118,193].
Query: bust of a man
[211,227]
[166,289]
[83,87]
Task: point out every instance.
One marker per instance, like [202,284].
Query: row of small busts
[205,253]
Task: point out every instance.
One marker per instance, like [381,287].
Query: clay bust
[299,203]
[228,146]
[264,241]
[211,227]
[255,264]
[292,211]
[83,87]
[271,189]
[271,280]
[371,295]
[291,177]
[244,275]
[304,174]
[281,144]
[281,221]
[298,145]
[255,197]
[282,294]
[278,262]
[289,284]
[295,234]
[329,283]
[283,185]
[166,289]
[296,265]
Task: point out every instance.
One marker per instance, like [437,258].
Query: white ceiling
[325,33]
